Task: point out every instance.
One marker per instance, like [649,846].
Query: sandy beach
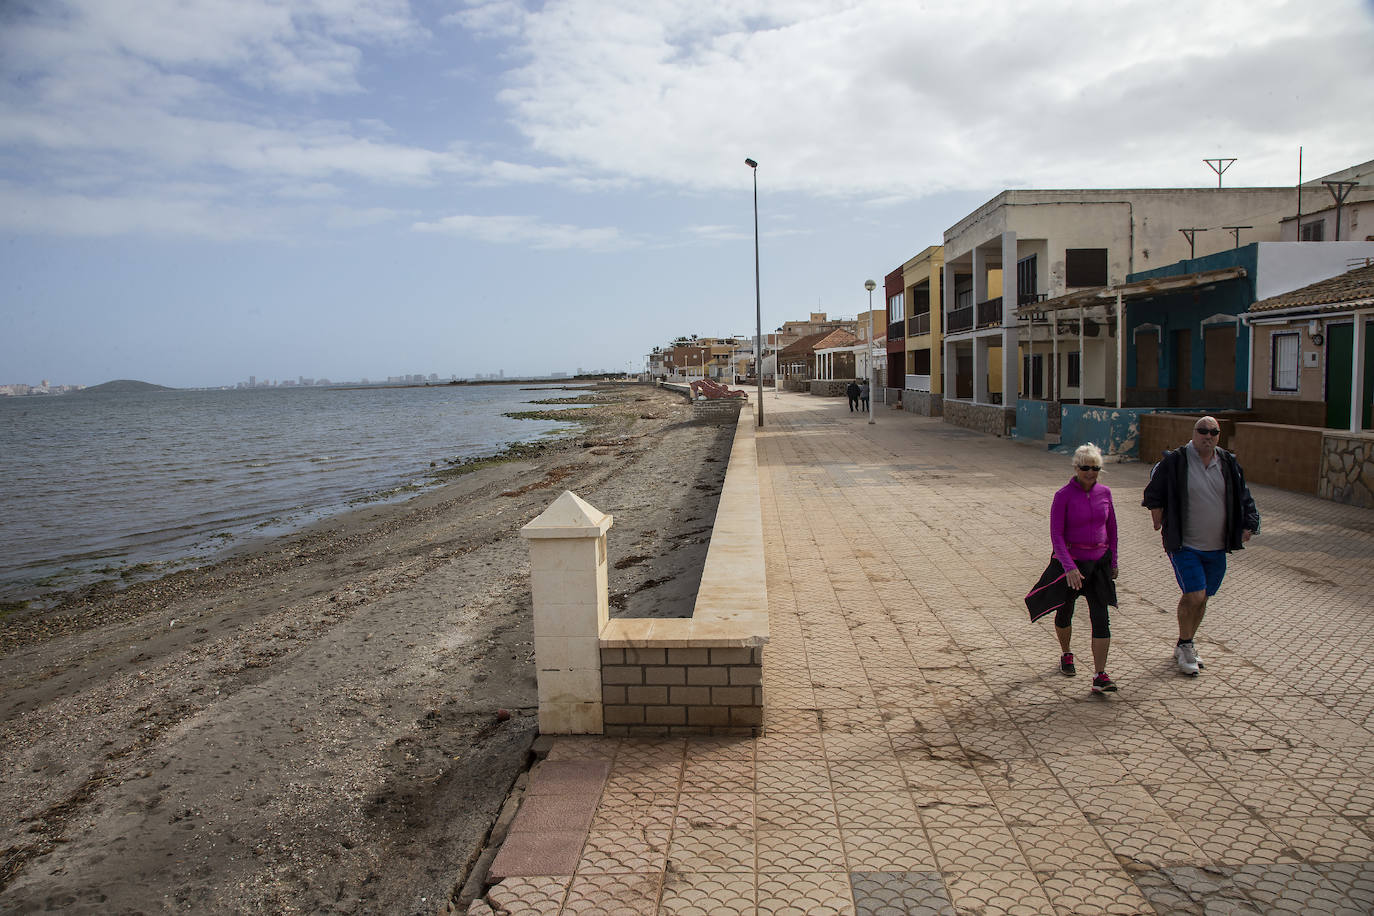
[328,722]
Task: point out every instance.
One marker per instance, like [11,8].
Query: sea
[104,485]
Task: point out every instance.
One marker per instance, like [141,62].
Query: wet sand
[315,725]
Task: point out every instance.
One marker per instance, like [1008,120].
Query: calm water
[94,484]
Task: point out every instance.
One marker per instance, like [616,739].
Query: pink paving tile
[567,777]
[549,852]
[554,812]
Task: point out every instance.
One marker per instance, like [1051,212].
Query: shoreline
[316,723]
[119,572]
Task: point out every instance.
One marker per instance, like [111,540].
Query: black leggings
[1097,613]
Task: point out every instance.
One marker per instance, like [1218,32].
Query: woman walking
[1083,534]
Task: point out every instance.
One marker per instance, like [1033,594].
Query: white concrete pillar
[980,281]
[571,606]
[1011,370]
[1357,344]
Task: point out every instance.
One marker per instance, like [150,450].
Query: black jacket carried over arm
[1168,490]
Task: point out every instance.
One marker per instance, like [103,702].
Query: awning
[1136,289]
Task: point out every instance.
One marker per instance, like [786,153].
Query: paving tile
[888,850]
[1324,839]
[800,851]
[715,811]
[619,852]
[631,810]
[817,894]
[1061,847]
[795,811]
[1153,844]
[541,896]
[876,810]
[911,893]
[988,847]
[1093,892]
[546,852]
[993,893]
[716,850]
[613,895]
[543,813]
[1193,890]
[1292,889]
[707,894]
[572,776]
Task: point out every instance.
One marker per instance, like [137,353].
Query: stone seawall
[984,418]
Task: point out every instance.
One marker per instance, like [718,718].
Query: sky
[196,191]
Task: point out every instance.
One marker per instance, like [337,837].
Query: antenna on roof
[1339,190]
[1219,166]
[1190,235]
[1235,231]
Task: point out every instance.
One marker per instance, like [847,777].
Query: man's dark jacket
[1168,490]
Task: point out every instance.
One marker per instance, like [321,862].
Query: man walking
[852,389]
[1198,496]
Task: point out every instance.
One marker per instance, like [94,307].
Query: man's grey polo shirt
[1204,520]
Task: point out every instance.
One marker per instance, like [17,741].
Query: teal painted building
[1187,347]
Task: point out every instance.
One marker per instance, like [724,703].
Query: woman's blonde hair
[1087,453]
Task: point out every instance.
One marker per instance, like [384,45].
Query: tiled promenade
[924,755]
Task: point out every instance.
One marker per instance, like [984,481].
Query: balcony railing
[1028,298]
[895,331]
[918,324]
[990,313]
[960,319]
[918,383]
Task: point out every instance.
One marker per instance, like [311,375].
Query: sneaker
[1066,665]
[1186,656]
[1103,684]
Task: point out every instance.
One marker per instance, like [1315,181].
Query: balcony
[917,325]
[959,320]
[894,330]
[918,383]
[990,313]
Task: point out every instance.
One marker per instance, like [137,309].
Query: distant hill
[126,384]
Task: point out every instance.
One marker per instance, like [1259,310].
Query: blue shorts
[1199,570]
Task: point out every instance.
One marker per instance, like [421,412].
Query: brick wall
[716,691]
[1291,411]
[1279,455]
[718,410]
[1160,431]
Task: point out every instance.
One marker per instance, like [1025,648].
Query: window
[1027,284]
[920,362]
[1085,267]
[895,304]
[1075,370]
[1314,231]
[1283,370]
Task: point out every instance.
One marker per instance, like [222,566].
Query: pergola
[1103,303]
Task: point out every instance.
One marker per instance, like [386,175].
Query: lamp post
[872,364]
[758,302]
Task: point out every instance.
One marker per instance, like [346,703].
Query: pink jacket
[1083,524]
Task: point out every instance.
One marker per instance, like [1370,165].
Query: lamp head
[751,163]
[870,285]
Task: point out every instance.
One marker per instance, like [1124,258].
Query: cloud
[886,97]
[525,230]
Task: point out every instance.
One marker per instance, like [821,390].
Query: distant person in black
[853,392]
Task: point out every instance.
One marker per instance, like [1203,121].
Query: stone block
[624,715]
[690,696]
[622,674]
[732,656]
[645,657]
[732,696]
[746,675]
[708,715]
[665,675]
[647,695]
[711,676]
[688,656]
[664,715]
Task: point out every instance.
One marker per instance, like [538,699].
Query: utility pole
[1219,166]
[1235,232]
[1191,235]
[1340,190]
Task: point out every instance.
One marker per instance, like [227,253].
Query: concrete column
[980,280]
[1357,343]
[980,371]
[571,606]
[1011,369]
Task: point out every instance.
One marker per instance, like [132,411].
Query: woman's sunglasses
[1090,467]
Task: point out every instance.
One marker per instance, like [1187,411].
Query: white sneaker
[1186,656]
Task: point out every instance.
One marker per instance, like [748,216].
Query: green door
[1339,360]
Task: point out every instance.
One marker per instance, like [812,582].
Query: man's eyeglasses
[1208,430]
[1090,467]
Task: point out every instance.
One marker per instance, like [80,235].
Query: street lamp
[872,363]
[758,303]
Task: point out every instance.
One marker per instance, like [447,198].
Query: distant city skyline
[340,189]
